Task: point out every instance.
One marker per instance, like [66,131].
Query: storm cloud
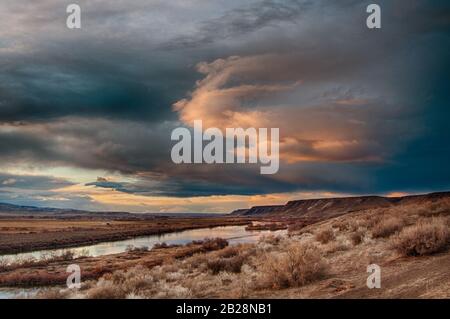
[359,111]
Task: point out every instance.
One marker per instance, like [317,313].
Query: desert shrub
[426,237]
[32,279]
[270,239]
[64,255]
[214,244]
[387,227]
[164,245]
[106,292]
[435,209]
[325,236]
[296,226]
[133,249]
[357,237]
[232,264]
[340,225]
[369,221]
[4,264]
[52,293]
[160,245]
[336,246]
[229,252]
[197,261]
[357,224]
[299,265]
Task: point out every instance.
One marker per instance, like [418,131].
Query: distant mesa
[329,207]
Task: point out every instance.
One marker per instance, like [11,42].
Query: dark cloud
[102,98]
[8,181]
[241,21]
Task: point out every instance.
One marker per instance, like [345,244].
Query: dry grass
[52,293]
[298,266]
[427,237]
[232,264]
[65,255]
[229,252]
[387,227]
[336,246]
[133,249]
[325,236]
[357,237]
[340,225]
[297,226]
[106,292]
[271,239]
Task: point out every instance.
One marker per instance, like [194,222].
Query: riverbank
[52,272]
[328,259]
[25,235]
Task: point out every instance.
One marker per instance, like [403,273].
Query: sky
[86,115]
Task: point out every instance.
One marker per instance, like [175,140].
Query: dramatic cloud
[86,115]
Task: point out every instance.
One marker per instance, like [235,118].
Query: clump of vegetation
[230,259]
[65,255]
[4,264]
[296,226]
[270,239]
[426,237]
[232,264]
[299,265]
[325,236]
[336,246]
[357,237]
[52,293]
[212,243]
[133,249]
[229,252]
[341,225]
[270,226]
[106,292]
[387,227]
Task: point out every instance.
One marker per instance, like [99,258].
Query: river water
[234,235]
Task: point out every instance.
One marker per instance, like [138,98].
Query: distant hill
[18,211]
[328,207]
[10,210]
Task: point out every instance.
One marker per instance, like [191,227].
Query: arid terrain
[321,256]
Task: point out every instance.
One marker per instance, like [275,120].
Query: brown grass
[106,292]
[133,249]
[296,267]
[341,225]
[325,236]
[66,255]
[357,237]
[229,252]
[336,246]
[387,227]
[232,264]
[425,238]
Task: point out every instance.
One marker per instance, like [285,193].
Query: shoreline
[17,243]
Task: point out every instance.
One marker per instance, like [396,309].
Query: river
[234,235]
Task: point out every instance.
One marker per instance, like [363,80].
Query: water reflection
[234,234]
